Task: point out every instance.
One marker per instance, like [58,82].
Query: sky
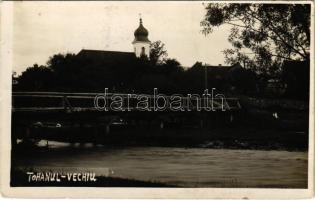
[42,29]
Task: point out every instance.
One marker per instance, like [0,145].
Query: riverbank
[214,139]
[169,166]
[223,138]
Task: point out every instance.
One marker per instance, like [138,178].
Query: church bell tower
[141,43]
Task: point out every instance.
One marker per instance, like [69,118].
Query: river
[184,167]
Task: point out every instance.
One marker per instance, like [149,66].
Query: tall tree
[262,35]
[158,53]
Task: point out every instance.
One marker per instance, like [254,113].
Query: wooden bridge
[59,115]
[78,102]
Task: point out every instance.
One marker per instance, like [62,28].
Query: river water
[184,167]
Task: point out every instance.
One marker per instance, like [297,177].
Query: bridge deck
[81,102]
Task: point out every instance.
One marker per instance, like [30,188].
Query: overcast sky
[42,29]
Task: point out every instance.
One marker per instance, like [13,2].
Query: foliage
[72,73]
[262,35]
[158,53]
[296,78]
[36,78]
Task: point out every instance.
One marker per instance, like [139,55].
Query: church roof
[141,33]
[98,56]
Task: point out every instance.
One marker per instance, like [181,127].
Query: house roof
[223,70]
[218,72]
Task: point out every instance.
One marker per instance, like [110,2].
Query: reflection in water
[188,167]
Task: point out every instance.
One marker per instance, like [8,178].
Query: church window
[142,51]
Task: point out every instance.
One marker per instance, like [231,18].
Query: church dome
[141,33]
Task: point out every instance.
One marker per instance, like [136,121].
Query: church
[93,70]
[118,70]
[141,45]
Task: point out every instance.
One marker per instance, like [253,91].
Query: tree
[35,78]
[262,35]
[157,53]
[58,62]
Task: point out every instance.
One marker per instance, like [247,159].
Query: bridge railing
[39,101]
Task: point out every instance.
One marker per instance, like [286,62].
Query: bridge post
[64,102]
[107,129]
[161,125]
[201,123]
